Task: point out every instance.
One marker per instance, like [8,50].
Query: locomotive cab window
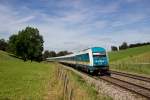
[99,54]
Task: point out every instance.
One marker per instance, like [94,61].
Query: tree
[139,44]
[3,45]
[114,48]
[12,43]
[45,54]
[48,54]
[52,54]
[123,46]
[63,53]
[28,44]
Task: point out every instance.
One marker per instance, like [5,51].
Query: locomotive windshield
[98,55]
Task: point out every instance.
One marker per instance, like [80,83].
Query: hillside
[133,60]
[21,80]
[4,56]
[131,52]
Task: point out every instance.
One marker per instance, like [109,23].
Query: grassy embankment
[72,87]
[23,80]
[134,60]
[37,81]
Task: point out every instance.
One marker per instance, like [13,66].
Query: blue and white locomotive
[93,60]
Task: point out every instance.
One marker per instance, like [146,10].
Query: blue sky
[78,24]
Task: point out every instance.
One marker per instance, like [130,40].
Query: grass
[91,93]
[23,80]
[114,56]
[133,60]
[136,69]
[80,89]
[39,81]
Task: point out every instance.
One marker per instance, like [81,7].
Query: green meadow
[21,80]
[133,60]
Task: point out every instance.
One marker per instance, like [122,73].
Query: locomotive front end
[100,61]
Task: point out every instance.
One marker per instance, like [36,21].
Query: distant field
[134,60]
[131,52]
[37,81]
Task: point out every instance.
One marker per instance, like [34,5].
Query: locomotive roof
[80,52]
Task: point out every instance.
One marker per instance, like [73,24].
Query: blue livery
[93,60]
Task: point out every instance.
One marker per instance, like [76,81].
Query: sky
[78,24]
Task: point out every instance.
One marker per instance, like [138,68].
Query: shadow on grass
[12,55]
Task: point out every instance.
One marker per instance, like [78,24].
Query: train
[93,60]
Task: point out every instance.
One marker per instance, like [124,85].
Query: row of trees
[3,45]
[48,54]
[26,44]
[138,44]
[124,45]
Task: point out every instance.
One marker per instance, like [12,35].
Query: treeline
[9,46]
[3,45]
[48,54]
[124,45]
[27,44]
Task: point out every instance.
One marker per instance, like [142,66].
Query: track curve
[145,92]
[146,79]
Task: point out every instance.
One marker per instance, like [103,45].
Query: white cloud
[132,1]
[132,36]
[11,21]
[23,20]
[75,29]
[129,18]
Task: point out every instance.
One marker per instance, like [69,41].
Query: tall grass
[134,60]
[132,68]
[69,86]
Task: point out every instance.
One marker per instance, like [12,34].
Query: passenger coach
[93,60]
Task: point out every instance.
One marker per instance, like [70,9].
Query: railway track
[137,89]
[143,91]
[133,87]
[142,78]
[129,85]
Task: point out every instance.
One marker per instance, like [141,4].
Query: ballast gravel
[103,87]
[134,81]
